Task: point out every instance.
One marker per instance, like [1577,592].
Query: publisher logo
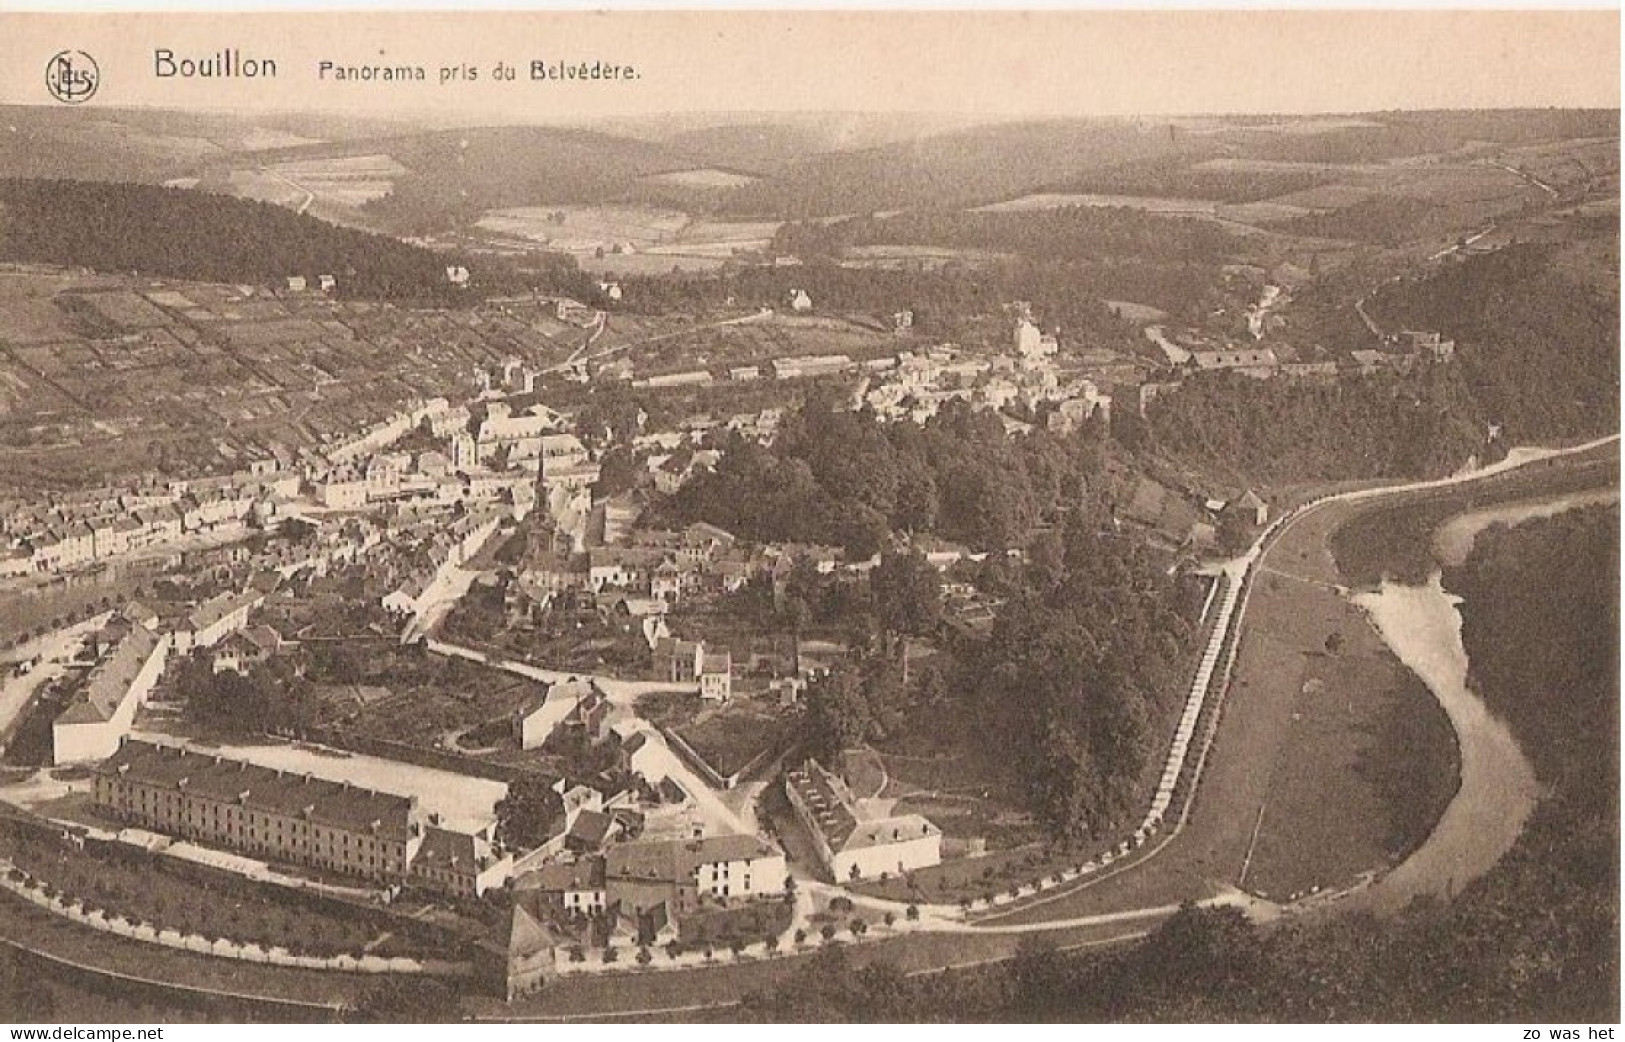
[72,77]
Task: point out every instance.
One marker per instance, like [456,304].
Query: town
[495,620]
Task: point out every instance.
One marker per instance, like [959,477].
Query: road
[579,359]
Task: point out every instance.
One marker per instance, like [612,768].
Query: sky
[1046,63]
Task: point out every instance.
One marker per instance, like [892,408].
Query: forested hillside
[196,235]
[980,165]
[1282,431]
[844,478]
[1071,233]
[1537,331]
[1534,941]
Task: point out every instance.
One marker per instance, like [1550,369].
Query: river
[1498,791]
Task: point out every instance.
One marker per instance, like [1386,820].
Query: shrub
[913,912]
[827,932]
[890,919]
[645,957]
[611,955]
[800,937]
[577,953]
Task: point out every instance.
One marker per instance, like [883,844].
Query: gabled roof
[591,828]
[526,935]
[585,874]
[110,682]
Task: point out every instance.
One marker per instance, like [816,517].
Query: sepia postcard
[1097,517]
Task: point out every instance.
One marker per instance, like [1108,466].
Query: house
[591,832]
[850,845]
[646,756]
[460,863]
[101,714]
[621,567]
[246,649]
[575,886]
[800,301]
[678,661]
[809,365]
[1253,509]
[565,463]
[538,716]
[657,926]
[211,621]
[1248,361]
[716,676]
[521,436]
[526,955]
[265,813]
[1032,343]
[678,872]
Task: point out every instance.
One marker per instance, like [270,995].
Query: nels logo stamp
[72,77]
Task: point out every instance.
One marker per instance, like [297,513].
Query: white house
[101,714]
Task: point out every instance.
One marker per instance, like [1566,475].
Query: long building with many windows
[267,813]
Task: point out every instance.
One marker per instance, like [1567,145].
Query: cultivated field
[708,177]
[1150,204]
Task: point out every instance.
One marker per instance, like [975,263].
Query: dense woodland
[1536,940]
[187,234]
[1080,676]
[1538,348]
[1065,232]
[1179,177]
[843,478]
[1070,697]
[1382,425]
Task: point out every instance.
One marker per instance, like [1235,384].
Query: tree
[530,814]
[827,932]
[907,593]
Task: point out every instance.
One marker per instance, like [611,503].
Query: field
[347,181]
[1150,204]
[708,177]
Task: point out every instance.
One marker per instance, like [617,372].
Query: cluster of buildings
[78,530]
[1196,353]
[915,385]
[132,650]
